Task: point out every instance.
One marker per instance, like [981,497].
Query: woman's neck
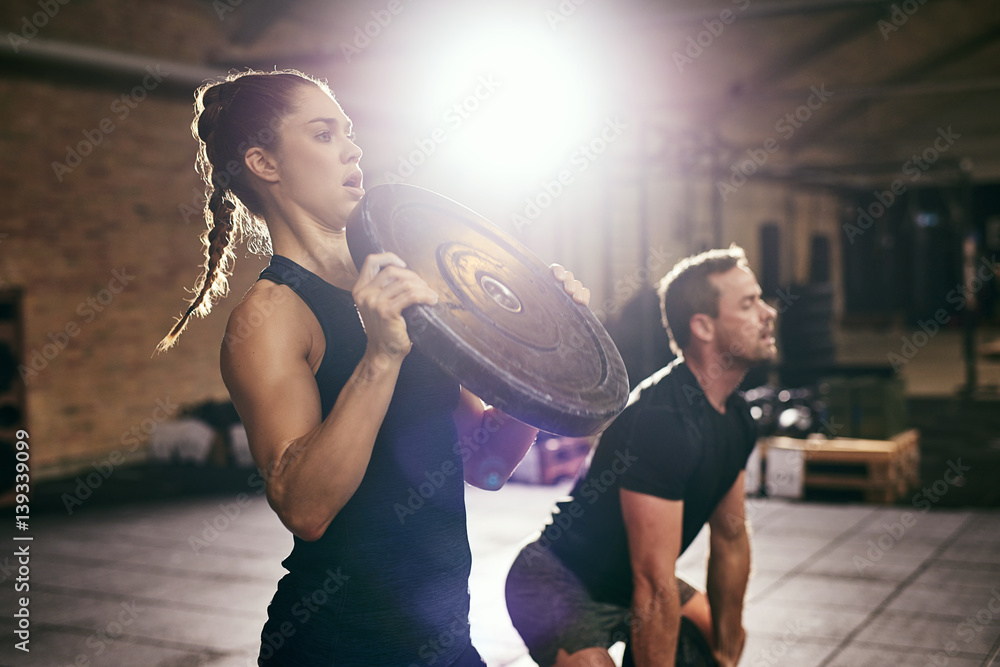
[321,251]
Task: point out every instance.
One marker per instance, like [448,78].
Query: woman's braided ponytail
[232,116]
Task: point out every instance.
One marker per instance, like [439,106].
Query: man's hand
[493,442]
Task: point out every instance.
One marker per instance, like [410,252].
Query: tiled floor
[186,583]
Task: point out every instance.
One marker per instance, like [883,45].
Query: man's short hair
[686,291]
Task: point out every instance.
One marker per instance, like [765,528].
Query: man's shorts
[552,610]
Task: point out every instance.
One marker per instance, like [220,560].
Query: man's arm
[654,527]
[728,572]
[491,443]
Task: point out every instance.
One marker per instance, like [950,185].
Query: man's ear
[262,164]
[702,327]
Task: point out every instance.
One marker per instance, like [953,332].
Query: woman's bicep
[273,389]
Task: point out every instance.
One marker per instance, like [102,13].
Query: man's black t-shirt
[669,442]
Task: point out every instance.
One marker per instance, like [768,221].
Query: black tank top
[387,583]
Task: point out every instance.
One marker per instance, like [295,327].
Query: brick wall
[102,250]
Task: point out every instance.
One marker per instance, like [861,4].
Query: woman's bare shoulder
[270,318]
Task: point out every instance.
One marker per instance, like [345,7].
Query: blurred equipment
[552,459]
[795,412]
[504,327]
[819,266]
[862,402]
[806,327]
[769,273]
[882,471]
[239,446]
[762,402]
[844,433]
[207,434]
[185,440]
[864,406]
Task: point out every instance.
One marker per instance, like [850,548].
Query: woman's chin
[345,213]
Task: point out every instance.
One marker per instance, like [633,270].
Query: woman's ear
[261,164]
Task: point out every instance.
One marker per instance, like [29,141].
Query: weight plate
[504,326]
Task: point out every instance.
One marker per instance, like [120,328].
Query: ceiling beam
[746,9]
[76,64]
[840,32]
[888,90]
[795,59]
[860,94]
[906,80]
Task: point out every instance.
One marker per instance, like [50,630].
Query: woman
[357,436]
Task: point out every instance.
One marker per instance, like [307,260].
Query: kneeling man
[603,569]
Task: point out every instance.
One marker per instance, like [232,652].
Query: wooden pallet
[884,470]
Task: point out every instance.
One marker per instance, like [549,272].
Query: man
[603,570]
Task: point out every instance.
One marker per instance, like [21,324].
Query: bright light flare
[518,100]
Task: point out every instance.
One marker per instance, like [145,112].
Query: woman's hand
[384,288]
[572,286]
